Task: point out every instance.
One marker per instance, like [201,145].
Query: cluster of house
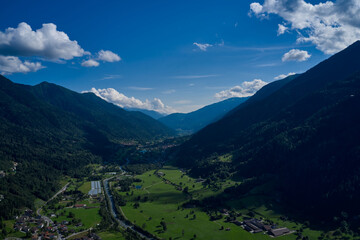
[39,228]
[257,226]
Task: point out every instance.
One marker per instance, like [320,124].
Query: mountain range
[154,114]
[49,131]
[302,132]
[188,123]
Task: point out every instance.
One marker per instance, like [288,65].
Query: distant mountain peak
[187,123]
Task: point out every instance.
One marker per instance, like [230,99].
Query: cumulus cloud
[296,55]
[90,63]
[11,64]
[46,42]
[102,55]
[282,76]
[108,56]
[246,89]
[256,8]
[330,26]
[281,29]
[119,99]
[202,46]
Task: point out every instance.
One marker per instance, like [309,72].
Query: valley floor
[164,203]
[159,197]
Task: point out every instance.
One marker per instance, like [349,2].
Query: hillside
[113,121]
[306,132]
[50,131]
[151,113]
[192,122]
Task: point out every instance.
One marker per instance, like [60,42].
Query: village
[38,227]
[58,219]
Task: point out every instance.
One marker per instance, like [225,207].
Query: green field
[38,203]
[111,236]
[9,226]
[85,187]
[164,204]
[89,217]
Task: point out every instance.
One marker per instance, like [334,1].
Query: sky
[166,55]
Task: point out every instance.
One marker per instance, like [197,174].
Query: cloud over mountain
[11,64]
[296,55]
[330,26]
[246,89]
[282,76]
[119,99]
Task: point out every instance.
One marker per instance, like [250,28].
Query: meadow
[158,200]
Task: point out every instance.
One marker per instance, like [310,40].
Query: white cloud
[46,42]
[102,55]
[246,89]
[282,76]
[331,26]
[281,29]
[90,63]
[203,46]
[108,56]
[11,64]
[256,8]
[296,55]
[119,99]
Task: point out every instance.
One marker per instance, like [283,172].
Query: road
[56,194]
[74,234]
[113,208]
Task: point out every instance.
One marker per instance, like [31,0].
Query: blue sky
[155,41]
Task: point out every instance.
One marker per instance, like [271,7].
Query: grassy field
[89,217]
[111,236]
[38,203]
[164,204]
[9,226]
[85,187]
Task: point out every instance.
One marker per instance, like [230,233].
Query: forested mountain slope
[304,135]
[50,131]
